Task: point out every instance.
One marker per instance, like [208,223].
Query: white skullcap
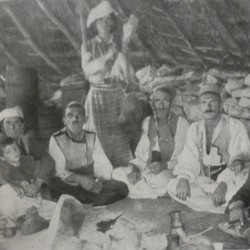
[209,88]
[101,10]
[11,112]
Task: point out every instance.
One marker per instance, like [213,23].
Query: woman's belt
[105,87]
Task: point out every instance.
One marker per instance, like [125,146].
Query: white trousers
[12,206]
[149,187]
[202,189]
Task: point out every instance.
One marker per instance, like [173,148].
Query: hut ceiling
[46,34]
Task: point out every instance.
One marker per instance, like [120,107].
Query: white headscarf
[101,10]
[11,112]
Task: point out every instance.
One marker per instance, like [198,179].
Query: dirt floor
[149,214]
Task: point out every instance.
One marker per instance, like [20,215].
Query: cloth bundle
[31,222]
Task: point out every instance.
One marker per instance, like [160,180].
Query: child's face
[11,153]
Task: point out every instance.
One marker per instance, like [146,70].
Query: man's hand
[87,182]
[155,167]
[237,166]
[19,190]
[134,176]
[30,189]
[219,195]
[183,189]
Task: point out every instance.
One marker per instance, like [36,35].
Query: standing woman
[107,70]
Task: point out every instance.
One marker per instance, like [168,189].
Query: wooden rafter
[8,54]
[212,59]
[57,54]
[6,1]
[59,24]
[236,19]
[86,5]
[149,46]
[120,10]
[168,35]
[30,41]
[200,16]
[223,29]
[181,33]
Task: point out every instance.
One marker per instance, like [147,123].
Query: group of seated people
[201,165]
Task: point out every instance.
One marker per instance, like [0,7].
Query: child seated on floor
[21,182]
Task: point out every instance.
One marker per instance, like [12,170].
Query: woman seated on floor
[19,179]
[162,140]
[12,125]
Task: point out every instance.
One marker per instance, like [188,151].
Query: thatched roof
[46,34]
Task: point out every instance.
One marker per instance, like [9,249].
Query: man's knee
[118,186]
[123,189]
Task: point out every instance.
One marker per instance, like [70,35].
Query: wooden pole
[22,89]
[59,24]
[30,41]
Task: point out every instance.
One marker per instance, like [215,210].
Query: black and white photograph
[124,124]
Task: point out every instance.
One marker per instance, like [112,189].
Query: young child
[21,179]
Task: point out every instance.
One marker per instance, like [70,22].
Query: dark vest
[166,144]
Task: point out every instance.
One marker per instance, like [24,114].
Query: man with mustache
[162,140]
[210,168]
[82,168]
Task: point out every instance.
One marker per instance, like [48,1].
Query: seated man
[209,167]
[82,168]
[162,139]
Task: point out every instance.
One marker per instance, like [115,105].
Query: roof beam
[31,42]
[8,54]
[181,33]
[223,29]
[59,24]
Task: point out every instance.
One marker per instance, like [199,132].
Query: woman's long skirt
[103,110]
